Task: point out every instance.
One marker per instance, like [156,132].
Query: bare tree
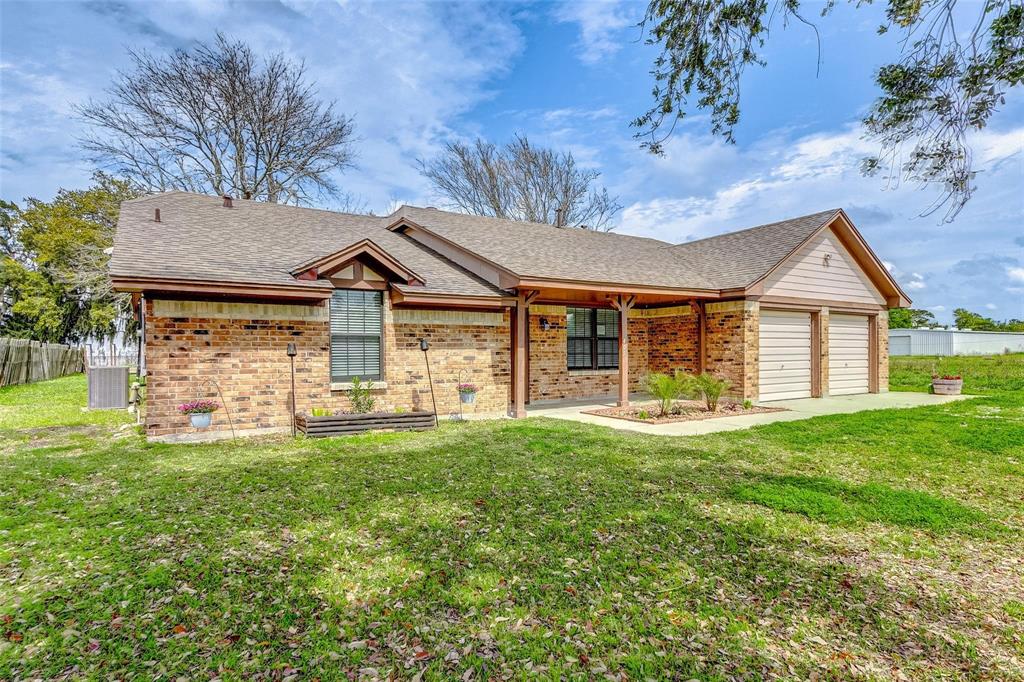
[520,182]
[215,119]
[953,73]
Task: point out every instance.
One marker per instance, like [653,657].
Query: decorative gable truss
[362,265]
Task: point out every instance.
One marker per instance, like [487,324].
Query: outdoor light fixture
[544,324]
[425,346]
[290,350]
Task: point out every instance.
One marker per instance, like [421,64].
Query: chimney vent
[156,215]
[227,201]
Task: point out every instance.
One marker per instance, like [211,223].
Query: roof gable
[822,268]
[868,265]
[325,266]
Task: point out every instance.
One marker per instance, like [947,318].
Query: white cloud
[405,76]
[601,23]
[991,306]
[1016,274]
[937,308]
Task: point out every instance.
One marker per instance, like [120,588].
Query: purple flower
[198,407]
[467,388]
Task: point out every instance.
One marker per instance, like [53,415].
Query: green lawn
[981,373]
[879,545]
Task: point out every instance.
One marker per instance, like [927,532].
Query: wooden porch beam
[623,304]
[520,377]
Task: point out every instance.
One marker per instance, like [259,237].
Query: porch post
[521,380]
[623,305]
[697,309]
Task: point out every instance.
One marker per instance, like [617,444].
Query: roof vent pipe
[227,201]
[156,215]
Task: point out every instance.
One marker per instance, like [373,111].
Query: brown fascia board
[614,288]
[157,284]
[324,264]
[895,298]
[900,299]
[400,296]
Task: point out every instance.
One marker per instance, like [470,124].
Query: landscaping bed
[683,411]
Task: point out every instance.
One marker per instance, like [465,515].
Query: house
[527,312]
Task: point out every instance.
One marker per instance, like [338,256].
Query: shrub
[747,404]
[711,389]
[643,414]
[320,412]
[666,389]
[359,394]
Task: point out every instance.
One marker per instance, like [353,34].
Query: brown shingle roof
[544,251]
[258,243]
[739,259]
[727,261]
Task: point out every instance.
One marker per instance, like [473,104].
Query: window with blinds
[593,338]
[356,323]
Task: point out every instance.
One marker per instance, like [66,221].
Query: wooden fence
[23,361]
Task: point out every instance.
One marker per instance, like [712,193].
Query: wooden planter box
[344,424]
[947,386]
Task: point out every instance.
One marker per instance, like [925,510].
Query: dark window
[593,338]
[355,334]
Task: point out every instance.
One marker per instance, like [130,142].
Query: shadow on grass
[832,501]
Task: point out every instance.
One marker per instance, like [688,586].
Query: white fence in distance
[23,361]
[953,342]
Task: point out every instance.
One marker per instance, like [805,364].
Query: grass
[871,546]
[981,373]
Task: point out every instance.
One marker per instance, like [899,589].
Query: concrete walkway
[804,408]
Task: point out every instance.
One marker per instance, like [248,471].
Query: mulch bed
[692,410]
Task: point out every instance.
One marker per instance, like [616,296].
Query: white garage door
[785,355]
[847,354]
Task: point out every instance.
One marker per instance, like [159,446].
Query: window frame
[594,339]
[345,379]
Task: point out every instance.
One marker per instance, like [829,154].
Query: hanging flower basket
[467,393]
[200,412]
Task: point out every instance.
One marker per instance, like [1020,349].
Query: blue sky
[570,75]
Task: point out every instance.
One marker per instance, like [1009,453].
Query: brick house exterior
[492,300]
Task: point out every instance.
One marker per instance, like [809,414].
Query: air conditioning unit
[108,388]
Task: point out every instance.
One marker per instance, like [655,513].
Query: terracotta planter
[947,386]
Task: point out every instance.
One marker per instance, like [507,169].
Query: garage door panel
[848,364]
[785,355]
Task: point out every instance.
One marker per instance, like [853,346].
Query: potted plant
[200,412]
[949,384]
[467,393]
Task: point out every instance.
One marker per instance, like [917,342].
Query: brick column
[733,344]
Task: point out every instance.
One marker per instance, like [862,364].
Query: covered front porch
[586,342]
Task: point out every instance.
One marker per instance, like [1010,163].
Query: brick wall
[673,341]
[883,352]
[242,347]
[550,378]
[732,345]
